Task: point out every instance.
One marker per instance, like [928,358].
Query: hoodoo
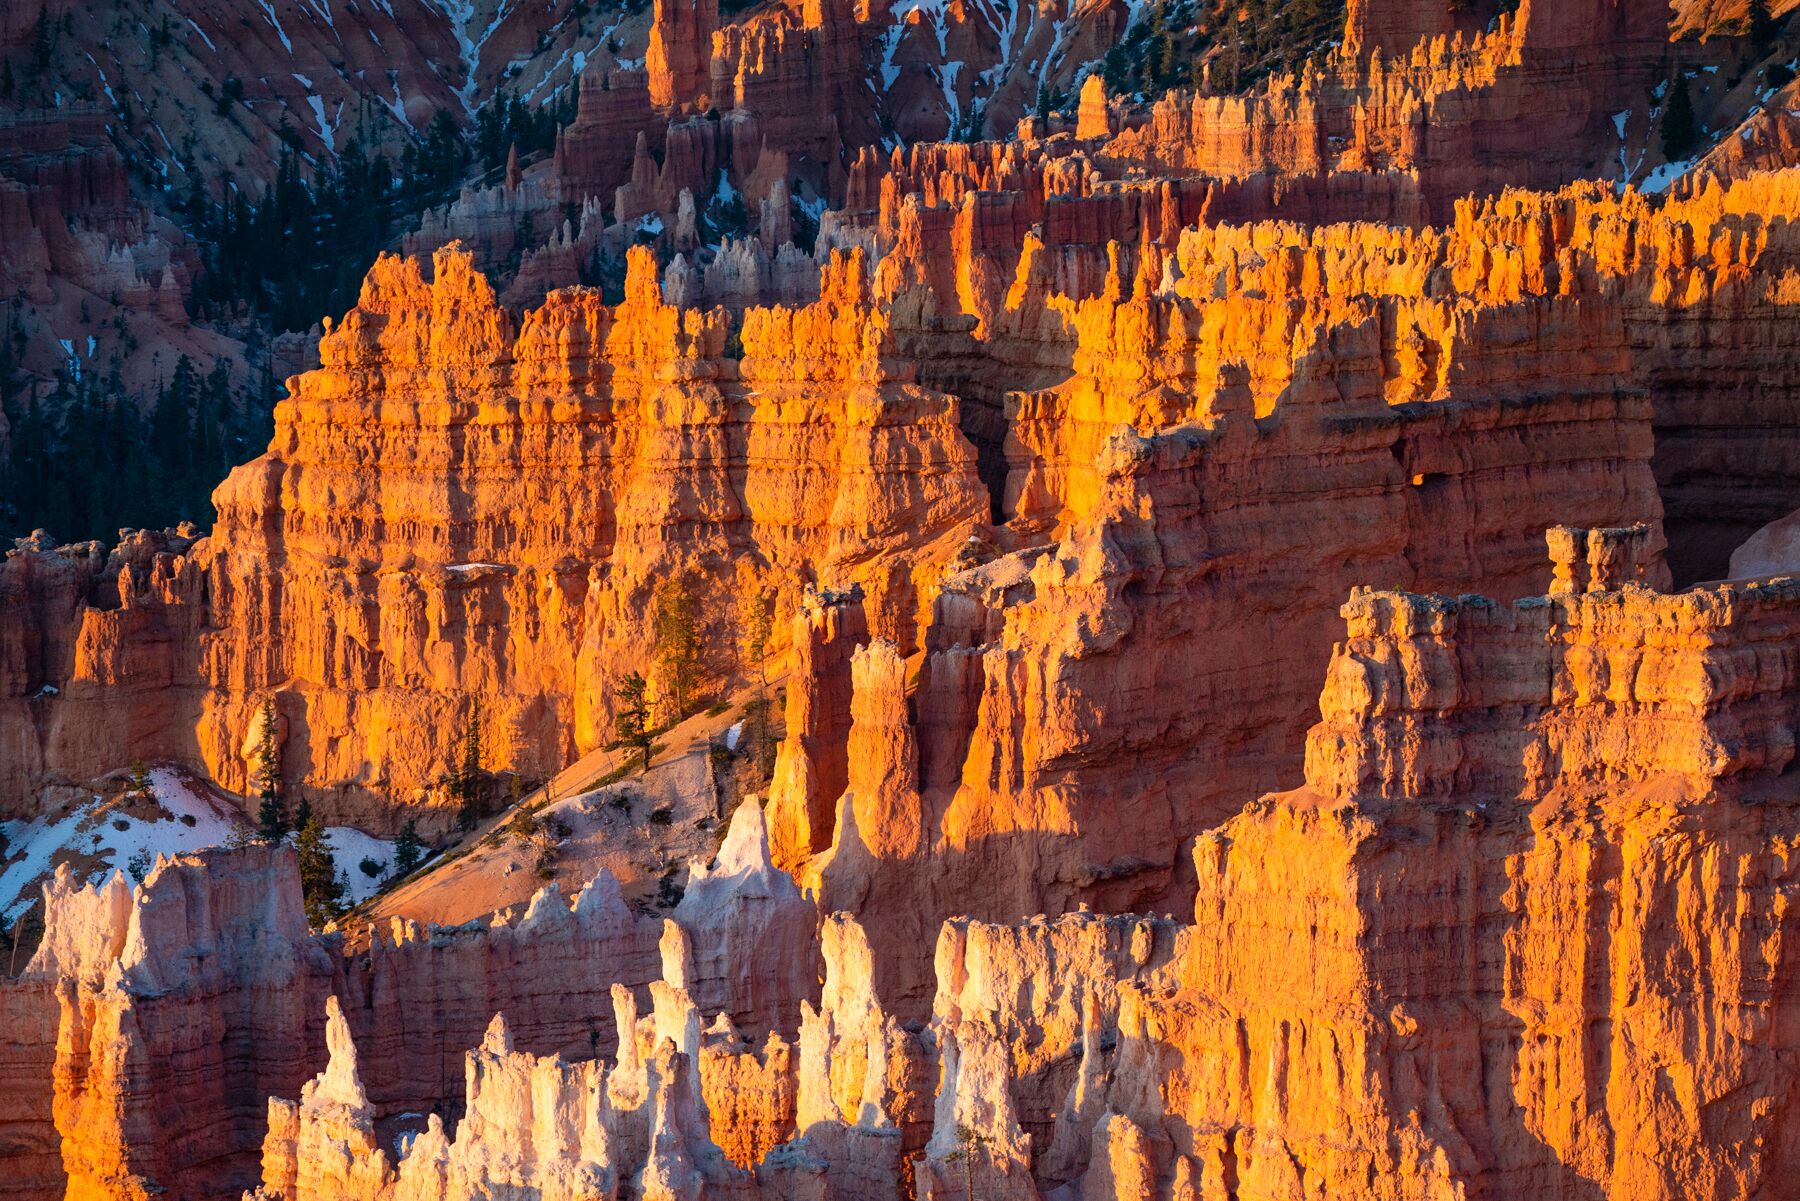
[827,601]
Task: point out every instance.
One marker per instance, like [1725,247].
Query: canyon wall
[1381,387]
[1453,963]
[537,480]
[153,1024]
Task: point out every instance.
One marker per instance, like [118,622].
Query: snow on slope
[349,847]
[104,835]
[124,833]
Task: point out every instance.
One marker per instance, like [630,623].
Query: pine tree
[675,622]
[408,850]
[43,40]
[140,785]
[631,714]
[756,620]
[1763,27]
[271,817]
[320,888]
[466,780]
[1680,131]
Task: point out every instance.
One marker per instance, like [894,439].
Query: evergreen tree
[408,850]
[320,888]
[675,623]
[43,40]
[1763,28]
[1680,130]
[271,817]
[468,777]
[140,785]
[756,620]
[631,714]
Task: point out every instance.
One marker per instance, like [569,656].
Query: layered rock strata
[1389,989]
[372,605]
[153,1024]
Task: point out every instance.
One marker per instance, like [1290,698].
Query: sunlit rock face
[1241,738]
[464,503]
[1380,989]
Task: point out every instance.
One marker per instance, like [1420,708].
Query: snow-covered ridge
[123,833]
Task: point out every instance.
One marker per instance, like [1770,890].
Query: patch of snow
[269,12]
[327,131]
[952,102]
[1659,179]
[304,81]
[32,847]
[1619,120]
[349,847]
[462,15]
[734,736]
[203,37]
[397,105]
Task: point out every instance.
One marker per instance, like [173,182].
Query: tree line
[86,458]
[1246,41]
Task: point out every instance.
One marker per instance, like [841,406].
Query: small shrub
[621,800]
[720,754]
[120,823]
[187,819]
[717,708]
[139,865]
[370,868]
[662,817]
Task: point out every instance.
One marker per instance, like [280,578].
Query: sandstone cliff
[597,450]
[1461,960]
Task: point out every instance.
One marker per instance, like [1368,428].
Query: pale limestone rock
[751,936]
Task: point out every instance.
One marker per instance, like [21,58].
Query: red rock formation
[1387,990]
[551,969]
[1193,583]
[178,1013]
[805,462]
[677,58]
